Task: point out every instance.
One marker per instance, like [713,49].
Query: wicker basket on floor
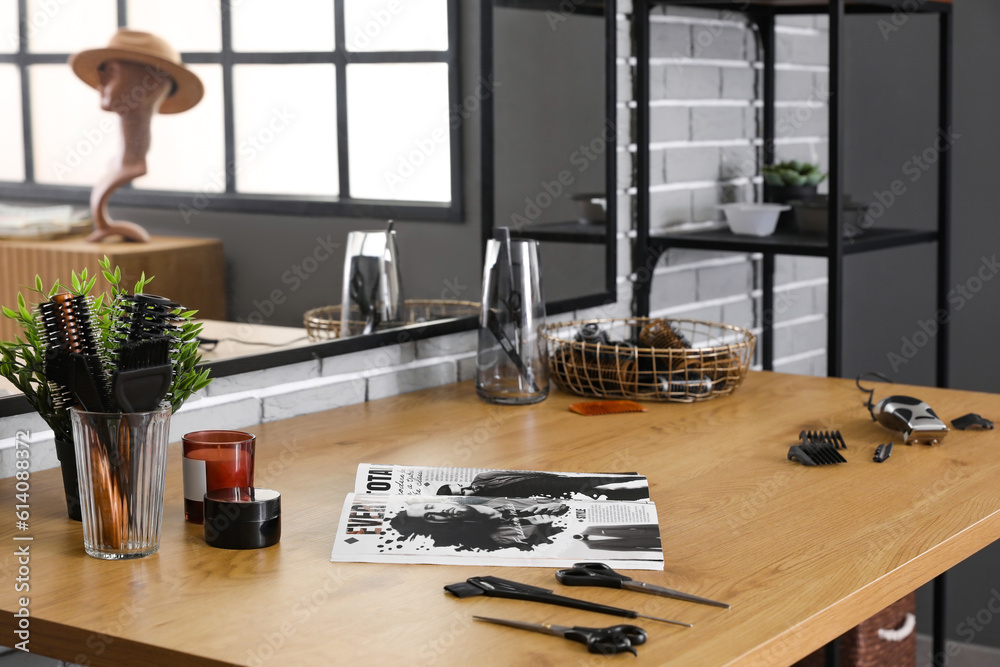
[650,359]
[863,647]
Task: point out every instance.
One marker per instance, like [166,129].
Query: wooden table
[803,554]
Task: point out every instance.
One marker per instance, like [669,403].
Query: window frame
[230,200]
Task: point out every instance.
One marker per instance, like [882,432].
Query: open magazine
[470,516]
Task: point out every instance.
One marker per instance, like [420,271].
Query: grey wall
[892,107]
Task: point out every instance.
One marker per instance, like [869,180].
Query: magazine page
[516,532]
[399,480]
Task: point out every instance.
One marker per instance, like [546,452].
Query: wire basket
[324,323]
[648,358]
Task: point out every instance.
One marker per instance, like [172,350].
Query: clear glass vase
[121,462]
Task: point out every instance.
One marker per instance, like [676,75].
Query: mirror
[549,139]
[269,254]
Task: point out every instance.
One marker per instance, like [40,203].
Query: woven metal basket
[648,359]
[324,323]
[865,646]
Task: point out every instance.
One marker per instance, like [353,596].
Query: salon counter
[802,554]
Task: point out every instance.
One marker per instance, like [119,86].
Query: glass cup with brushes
[120,416]
[511,367]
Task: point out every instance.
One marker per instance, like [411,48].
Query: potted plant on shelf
[23,360]
[791,181]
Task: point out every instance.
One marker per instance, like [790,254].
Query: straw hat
[147,49]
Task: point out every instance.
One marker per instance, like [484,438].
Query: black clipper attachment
[820,451]
[832,438]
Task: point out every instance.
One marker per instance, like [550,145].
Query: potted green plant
[790,181]
[22,361]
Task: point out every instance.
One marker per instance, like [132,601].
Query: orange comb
[605,408]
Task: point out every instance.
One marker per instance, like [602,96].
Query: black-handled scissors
[606,641]
[599,574]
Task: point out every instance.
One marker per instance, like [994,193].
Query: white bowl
[753,219]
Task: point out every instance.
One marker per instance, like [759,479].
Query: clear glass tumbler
[511,367]
[121,461]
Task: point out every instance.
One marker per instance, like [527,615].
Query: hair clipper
[914,418]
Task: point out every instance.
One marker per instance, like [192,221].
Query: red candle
[215,460]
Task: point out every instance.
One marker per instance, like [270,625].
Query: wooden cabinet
[190,271]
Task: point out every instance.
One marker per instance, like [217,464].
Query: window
[311,107]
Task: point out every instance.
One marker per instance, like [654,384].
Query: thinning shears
[606,641]
[599,574]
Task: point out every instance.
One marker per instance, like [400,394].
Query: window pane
[294,25]
[398,130]
[188,149]
[8,26]
[396,25]
[189,25]
[286,129]
[74,140]
[67,27]
[12,160]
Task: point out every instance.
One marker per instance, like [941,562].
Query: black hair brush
[145,331]
[74,364]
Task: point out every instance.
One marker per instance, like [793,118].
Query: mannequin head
[125,85]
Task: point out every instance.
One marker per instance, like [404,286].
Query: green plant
[792,173]
[22,361]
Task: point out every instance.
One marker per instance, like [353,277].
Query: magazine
[434,481]
[392,519]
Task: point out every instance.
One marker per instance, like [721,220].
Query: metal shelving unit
[834,247]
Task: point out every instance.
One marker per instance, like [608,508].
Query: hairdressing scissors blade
[606,641]
[599,574]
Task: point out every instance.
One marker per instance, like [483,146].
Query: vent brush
[146,331]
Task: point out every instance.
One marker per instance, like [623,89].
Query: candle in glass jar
[215,460]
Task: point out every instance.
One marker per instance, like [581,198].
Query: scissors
[599,574]
[606,641]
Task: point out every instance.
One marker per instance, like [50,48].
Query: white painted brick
[705,204]
[727,280]
[412,378]
[657,167]
[784,269]
[623,37]
[739,161]
[28,421]
[466,367]
[300,398]
[42,453]
[698,163]
[718,41]
[624,82]
[669,124]
[793,304]
[696,312]
[368,360]
[623,125]
[794,85]
[808,268]
[804,21]
[267,377]
[676,257]
[657,82]
[691,82]
[623,252]
[673,289]
[821,22]
[623,173]
[753,122]
[821,297]
[456,343]
[668,208]
[739,83]
[624,214]
[670,40]
[740,313]
[232,411]
[802,121]
[795,367]
[802,49]
[800,337]
[717,123]
[802,152]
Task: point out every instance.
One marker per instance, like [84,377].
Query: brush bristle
[592,408]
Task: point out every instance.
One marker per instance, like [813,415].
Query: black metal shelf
[648,248]
[565,232]
[790,243]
